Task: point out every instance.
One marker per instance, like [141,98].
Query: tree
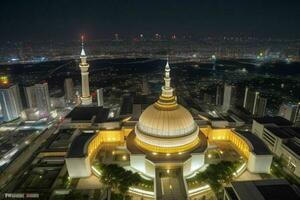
[218,174]
[116,177]
[127,180]
[109,177]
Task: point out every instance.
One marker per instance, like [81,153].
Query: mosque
[165,137]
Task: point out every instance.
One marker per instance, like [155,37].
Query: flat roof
[61,140]
[86,113]
[279,121]
[272,189]
[294,146]
[281,132]
[259,148]
[78,147]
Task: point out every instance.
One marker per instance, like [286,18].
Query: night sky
[66,19]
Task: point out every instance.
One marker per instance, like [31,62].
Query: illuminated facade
[86,98]
[166,137]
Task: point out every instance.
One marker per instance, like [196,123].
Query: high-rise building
[86,98]
[42,98]
[69,89]
[254,103]
[250,100]
[10,102]
[219,95]
[261,107]
[228,97]
[289,111]
[37,96]
[100,100]
[30,96]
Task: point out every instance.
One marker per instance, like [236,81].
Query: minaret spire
[86,98]
[167,100]
[167,90]
[82,47]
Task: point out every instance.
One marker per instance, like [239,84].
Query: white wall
[78,167]
[259,163]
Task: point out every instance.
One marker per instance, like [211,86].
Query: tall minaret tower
[86,98]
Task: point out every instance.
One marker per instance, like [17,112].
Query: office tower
[10,101]
[30,96]
[261,106]
[219,95]
[250,100]
[254,103]
[37,96]
[228,97]
[42,98]
[69,90]
[289,111]
[86,98]
[100,100]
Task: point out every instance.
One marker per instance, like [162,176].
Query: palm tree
[114,176]
[127,180]
[109,174]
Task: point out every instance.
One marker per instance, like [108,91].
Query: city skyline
[49,20]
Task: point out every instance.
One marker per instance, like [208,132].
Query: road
[19,162]
[170,184]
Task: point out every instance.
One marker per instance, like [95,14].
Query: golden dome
[166,123]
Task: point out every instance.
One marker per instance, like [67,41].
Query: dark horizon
[66,19]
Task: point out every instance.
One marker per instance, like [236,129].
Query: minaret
[86,98]
[167,90]
[167,100]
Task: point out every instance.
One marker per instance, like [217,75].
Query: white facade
[100,99]
[69,90]
[10,103]
[278,147]
[259,163]
[78,167]
[227,99]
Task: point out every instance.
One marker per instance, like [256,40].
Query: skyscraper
[37,96]
[69,89]
[86,98]
[42,97]
[254,103]
[219,95]
[250,100]
[10,101]
[228,98]
[100,100]
[261,107]
[30,96]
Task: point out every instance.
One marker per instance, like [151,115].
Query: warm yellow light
[154,153]
[168,154]
[168,171]
[169,150]
[124,157]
